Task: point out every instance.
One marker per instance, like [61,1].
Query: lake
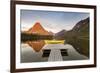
[39,52]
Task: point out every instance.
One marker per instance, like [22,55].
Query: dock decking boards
[55,55]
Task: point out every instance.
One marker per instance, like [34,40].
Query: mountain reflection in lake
[31,51]
[36,45]
[38,51]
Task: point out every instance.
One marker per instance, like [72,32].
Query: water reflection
[32,52]
[36,45]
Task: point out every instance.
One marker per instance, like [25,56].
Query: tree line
[33,37]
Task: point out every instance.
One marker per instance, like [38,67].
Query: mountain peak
[81,24]
[37,24]
[38,29]
[60,33]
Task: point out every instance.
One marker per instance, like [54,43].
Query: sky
[54,21]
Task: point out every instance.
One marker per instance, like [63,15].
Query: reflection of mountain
[78,36]
[38,29]
[35,36]
[36,45]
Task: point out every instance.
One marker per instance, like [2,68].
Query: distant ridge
[81,28]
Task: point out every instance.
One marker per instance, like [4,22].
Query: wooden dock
[55,55]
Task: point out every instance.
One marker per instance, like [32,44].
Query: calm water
[29,54]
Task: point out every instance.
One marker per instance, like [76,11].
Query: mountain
[51,33]
[37,32]
[82,25]
[60,35]
[38,29]
[81,28]
[78,37]
[35,36]
[62,32]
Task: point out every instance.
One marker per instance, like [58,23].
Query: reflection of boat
[54,41]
